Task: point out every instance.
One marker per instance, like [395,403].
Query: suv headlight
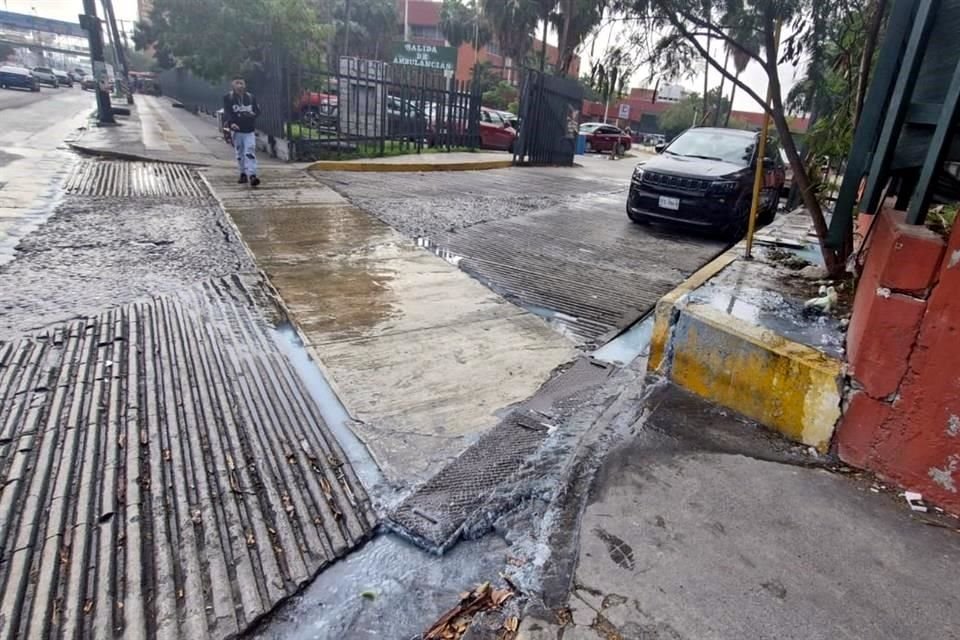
[638,174]
[724,186]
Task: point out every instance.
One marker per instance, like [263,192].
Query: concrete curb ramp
[784,385]
[408,167]
[164,474]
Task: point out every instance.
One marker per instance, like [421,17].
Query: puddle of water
[332,411]
[779,314]
[386,589]
[630,344]
[559,322]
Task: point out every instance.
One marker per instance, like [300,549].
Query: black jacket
[241,110]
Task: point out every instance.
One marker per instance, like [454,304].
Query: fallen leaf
[512,623]
[499,596]
[369,595]
[88,606]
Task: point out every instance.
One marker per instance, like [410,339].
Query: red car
[495,132]
[318,109]
[604,137]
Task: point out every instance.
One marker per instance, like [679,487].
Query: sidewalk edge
[415,167]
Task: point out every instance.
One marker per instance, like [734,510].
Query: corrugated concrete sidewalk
[164,473]
[420,353]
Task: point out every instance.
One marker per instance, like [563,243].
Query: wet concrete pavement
[700,525]
[422,356]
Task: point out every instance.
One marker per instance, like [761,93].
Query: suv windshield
[43,70]
[712,144]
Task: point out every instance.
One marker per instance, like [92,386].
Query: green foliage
[139,61]
[513,23]
[611,74]
[460,23]
[501,96]
[574,22]
[686,113]
[219,38]
[6,51]
[486,76]
[373,29]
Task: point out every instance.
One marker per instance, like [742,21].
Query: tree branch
[716,65]
[717,32]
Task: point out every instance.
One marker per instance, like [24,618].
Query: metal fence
[549,111]
[370,108]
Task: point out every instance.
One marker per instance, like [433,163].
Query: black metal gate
[549,108]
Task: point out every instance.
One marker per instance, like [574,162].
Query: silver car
[45,75]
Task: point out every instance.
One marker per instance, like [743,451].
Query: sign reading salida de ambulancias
[426,55]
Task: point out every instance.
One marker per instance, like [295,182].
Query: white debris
[825,302]
[915,500]
[813,272]
[883,292]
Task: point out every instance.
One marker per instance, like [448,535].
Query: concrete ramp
[164,473]
[421,354]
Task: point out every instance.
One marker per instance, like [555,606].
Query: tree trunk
[831,260]
[733,94]
[564,43]
[866,60]
[723,78]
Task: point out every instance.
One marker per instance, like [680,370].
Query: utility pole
[118,48]
[90,22]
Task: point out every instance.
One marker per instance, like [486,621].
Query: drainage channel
[629,345]
[332,411]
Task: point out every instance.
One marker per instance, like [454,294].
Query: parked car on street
[89,83]
[495,131]
[318,110]
[45,75]
[704,178]
[63,78]
[17,78]
[605,137]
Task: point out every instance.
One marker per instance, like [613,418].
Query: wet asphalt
[95,253]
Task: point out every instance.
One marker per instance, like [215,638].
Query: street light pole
[118,49]
[90,22]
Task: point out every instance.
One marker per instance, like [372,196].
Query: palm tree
[741,59]
[460,23]
[513,23]
[575,21]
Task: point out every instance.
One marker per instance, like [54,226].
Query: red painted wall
[902,419]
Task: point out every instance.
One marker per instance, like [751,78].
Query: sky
[67,9]
[753,76]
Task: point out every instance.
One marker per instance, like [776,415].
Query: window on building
[431,31]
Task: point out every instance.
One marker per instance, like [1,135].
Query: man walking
[240,111]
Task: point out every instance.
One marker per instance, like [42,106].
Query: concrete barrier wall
[902,417]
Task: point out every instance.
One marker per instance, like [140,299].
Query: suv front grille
[679,183]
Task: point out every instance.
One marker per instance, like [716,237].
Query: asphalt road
[555,241]
[33,156]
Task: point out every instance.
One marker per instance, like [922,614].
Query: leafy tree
[689,112]
[486,76]
[372,29]
[460,23]
[501,96]
[611,74]
[217,38]
[684,24]
[513,23]
[6,51]
[575,21]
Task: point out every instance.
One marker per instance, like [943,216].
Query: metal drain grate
[434,515]
[135,179]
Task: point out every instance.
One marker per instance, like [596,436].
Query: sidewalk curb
[414,167]
[123,155]
[785,385]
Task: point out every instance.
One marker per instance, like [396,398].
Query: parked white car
[45,75]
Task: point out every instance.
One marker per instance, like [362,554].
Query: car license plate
[666,202]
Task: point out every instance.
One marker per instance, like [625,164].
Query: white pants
[246,146]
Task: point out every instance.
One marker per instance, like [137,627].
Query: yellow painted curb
[663,312]
[782,384]
[388,167]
